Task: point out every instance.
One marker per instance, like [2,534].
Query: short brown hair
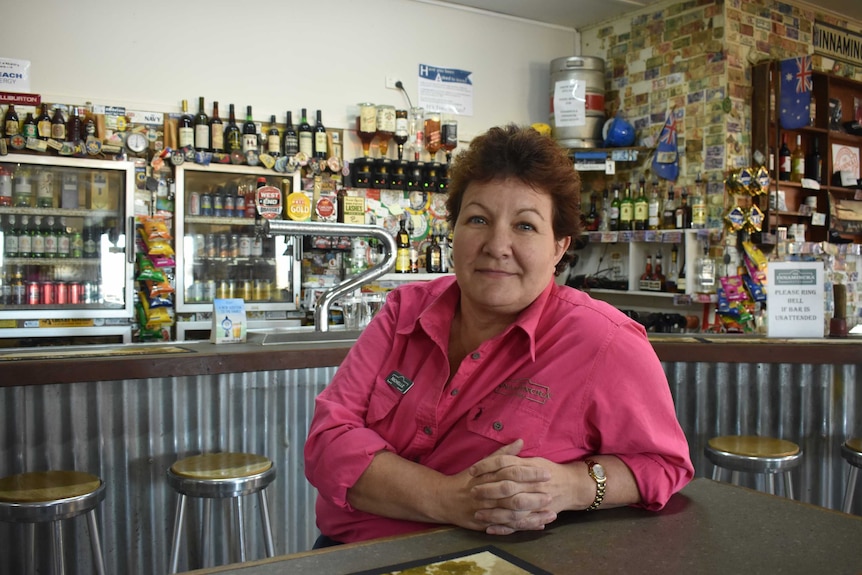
[524,154]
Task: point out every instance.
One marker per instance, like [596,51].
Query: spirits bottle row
[642,210]
[49,237]
[437,256]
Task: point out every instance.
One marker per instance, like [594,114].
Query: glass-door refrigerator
[220,255]
[66,263]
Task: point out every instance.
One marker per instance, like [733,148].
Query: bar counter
[127,412]
[707,528]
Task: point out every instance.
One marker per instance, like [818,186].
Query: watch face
[598,471]
[136,142]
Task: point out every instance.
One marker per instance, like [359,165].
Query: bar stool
[754,454]
[851,450]
[219,475]
[51,496]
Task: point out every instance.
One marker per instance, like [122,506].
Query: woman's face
[504,248]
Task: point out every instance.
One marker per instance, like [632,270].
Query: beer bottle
[10,121]
[30,129]
[58,125]
[43,123]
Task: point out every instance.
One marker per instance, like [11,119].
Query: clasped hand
[507,493]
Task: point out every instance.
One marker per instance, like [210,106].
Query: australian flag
[665,163]
[796,82]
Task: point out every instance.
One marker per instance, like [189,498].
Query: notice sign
[569,105]
[229,321]
[14,75]
[795,305]
[446,90]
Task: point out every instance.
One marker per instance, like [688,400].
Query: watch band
[597,472]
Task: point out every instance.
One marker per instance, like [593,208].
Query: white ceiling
[580,13]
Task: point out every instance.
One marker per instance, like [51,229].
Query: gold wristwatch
[597,472]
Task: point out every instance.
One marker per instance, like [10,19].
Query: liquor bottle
[25,240]
[202,127]
[58,125]
[90,238]
[50,237]
[654,208]
[290,145]
[18,290]
[646,277]
[683,213]
[306,136]
[10,248]
[797,161]
[273,138]
[641,216]
[10,121]
[216,131]
[813,162]
[232,133]
[64,241]
[668,213]
[74,126]
[402,255]
[704,271]
[658,275]
[249,133]
[433,256]
[319,137]
[614,224]
[402,131]
[627,210]
[681,281]
[30,129]
[76,244]
[592,218]
[444,249]
[185,128]
[784,160]
[43,123]
[673,273]
[37,240]
[698,205]
[605,212]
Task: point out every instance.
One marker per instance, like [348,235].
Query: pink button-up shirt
[571,377]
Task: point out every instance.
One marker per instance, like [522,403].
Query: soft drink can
[48,293]
[239,206]
[194,204]
[61,293]
[245,246]
[91,292]
[223,246]
[76,292]
[218,205]
[206,205]
[200,246]
[211,246]
[234,246]
[33,293]
[229,205]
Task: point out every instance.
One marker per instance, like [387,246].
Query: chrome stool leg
[178,525]
[206,534]
[851,488]
[237,507]
[788,485]
[267,524]
[59,563]
[716,473]
[770,483]
[30,553]
[96,543]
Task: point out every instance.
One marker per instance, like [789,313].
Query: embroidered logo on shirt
[399,382]
[525,388]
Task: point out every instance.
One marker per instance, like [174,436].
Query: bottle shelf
[53,261]
[67,212]
[220,221]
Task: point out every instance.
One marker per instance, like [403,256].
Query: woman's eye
[526,227]
[476,220]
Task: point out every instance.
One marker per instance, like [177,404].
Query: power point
[391,82]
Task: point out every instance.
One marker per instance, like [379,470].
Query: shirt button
[428,430]
[498,425]
[475,355]
[453,392]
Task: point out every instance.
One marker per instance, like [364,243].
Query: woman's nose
[499,241]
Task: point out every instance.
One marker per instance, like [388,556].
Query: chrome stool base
[851,450]
[754,454]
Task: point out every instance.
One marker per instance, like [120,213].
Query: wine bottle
[273,138]
[291,139]
[249,132]
[43,123]
[216,131]
[668,214]
[319,138]
[683,213]
[402,254]
[306,137]
[185,128]
[202,127]
[797,161]
[813,162]
[784,160]
[232,133]
[654,217]
[614,223]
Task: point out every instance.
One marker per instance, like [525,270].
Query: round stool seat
[226,474]
[753,453]
[48,495]
[851,450]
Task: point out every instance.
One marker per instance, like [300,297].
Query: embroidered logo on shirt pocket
[507,417]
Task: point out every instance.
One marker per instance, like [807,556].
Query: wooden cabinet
[834,101]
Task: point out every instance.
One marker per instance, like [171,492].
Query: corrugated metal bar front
[130,432]
[815,406]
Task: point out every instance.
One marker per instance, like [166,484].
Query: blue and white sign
[14,75]
[445,90]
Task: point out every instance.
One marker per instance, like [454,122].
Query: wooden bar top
[38,366]
[707,528]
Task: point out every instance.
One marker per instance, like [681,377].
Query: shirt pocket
[505,418]
[384,399]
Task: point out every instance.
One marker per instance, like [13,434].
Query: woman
[495,399]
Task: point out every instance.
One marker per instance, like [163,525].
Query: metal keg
[577,111]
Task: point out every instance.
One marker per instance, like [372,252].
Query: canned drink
[196,292]
[194,204]
[33,293]
[239,206]
[61,293]
[206,205]
[199,242]
[211,250]
[229,205]
[246,290]
[245,246]
[76,292]
[262,290]
[209,290]
[48,293]
[234,246]
[218,205]
[91,292]
[257,246]
[223,246]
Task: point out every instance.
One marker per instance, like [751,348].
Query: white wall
[279,55]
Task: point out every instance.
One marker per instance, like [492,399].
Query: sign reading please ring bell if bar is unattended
[795,304]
